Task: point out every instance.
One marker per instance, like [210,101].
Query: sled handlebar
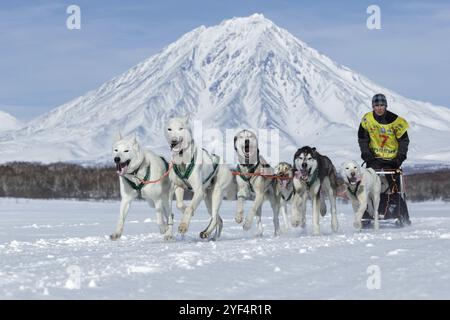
[389,171]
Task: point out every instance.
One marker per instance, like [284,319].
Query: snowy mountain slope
[8,122]
[245,72]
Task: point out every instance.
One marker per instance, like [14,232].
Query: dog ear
[117,136]
[294,167]
[134,139]
[186,119]
[293,161]
[314,152]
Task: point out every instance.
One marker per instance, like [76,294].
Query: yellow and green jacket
[383,137]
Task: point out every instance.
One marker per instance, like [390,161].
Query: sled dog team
[143,172]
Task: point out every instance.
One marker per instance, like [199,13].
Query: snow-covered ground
[45,245]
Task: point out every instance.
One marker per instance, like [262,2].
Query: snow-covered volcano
[245,72]
[8,122]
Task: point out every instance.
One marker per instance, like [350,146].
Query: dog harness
[313,179]
[184,174]
[138,187]
[356,189]
[251,169]
[290,195]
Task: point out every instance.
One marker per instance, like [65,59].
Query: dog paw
[182,228]
[115,236]
[168,237]
[357,225]
[247,225]
[238,219]
[204,235]
[163,229]
[334,227]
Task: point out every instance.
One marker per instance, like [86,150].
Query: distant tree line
[58,180]
[428,186]
[63,180]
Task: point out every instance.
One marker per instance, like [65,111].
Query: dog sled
[393,204]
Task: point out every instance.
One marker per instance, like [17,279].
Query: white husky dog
[197,170]
[134,165]
[363,188]
[284,190]
[252,182]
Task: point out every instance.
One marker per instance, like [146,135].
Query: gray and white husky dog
[284,190]
[313,173]
[363,188]
[133,165]
[254,183]
[199,171]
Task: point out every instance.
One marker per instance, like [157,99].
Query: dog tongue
[121,170]
[354,180]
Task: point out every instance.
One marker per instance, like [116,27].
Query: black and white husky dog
[313,172]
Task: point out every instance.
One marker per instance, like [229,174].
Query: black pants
[392,205]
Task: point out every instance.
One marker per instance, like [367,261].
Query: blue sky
[43,64]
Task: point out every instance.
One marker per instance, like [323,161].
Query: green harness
[185,173]
[251,169]
[138,187]
[356,189]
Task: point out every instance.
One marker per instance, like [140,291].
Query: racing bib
[383,137]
